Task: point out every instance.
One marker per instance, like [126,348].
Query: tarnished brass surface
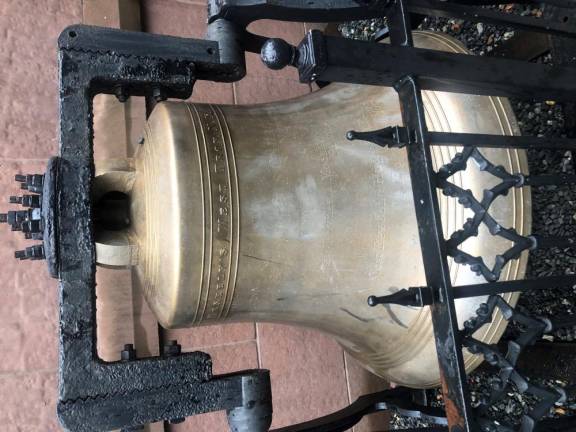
[268,213]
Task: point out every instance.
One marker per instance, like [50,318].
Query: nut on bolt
[121,94]
[128,353]
[35,252]
[172,349]
[158,94]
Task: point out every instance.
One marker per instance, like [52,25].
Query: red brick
[211,92]
[214,421]
[145,326]
[206,336]
[28,87]
[253,90]
[232,357]
[29,402]
[307,371]
[113,312]
[174,18]
[146,333]
[28,345]
[361,382]
[39,292]
[40,348]
[11,302]
[314,26]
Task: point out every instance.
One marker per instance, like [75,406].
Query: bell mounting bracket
[95,395]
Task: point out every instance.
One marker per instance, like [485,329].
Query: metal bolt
[141,140]
[33,201]
[491,358]
[31,226]
[21,178]
[482,309]
[121,94]
[35,252]
[158,94]
[128,353]
[172,349]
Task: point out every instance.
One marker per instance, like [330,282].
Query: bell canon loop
[269,213]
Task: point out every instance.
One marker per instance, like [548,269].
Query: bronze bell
[268,213]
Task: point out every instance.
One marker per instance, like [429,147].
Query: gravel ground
[554,210]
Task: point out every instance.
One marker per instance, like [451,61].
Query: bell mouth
[112,212]
[185,214]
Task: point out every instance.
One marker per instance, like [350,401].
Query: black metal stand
[95,395]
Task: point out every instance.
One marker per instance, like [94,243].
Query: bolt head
[172,349]
[128,353]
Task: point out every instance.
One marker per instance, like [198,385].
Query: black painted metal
[533,328]
[434,252]
[351,61]
[96,395]
[398,137]
[244,12]
[422,296]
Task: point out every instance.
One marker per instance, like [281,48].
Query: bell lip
[161,226]
[191,235]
